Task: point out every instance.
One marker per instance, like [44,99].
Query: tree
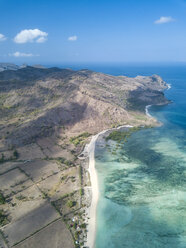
[71,204]
[16,154]
[2,159]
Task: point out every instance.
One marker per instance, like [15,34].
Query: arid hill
[34,102]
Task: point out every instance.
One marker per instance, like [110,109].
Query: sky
[92,31]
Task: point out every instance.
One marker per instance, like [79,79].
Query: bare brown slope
[34,101]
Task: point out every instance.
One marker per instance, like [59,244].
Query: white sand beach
[90,149]
[95,191]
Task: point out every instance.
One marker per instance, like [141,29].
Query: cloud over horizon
[72,38]
[164,19]
[2,37]
[30,35]
[19,54]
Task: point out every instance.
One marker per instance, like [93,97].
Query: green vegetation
[14,157]
[75,225]
[21,198]
[76,235]
[64,196]
[54,204]
[71,204]
[115,125]
[121,136]
[63,178]
[80,138]
[84,225]
[62,161]
[2,199]
[3,218]
[45,196]
[15,154]
[2,159]
[81,191]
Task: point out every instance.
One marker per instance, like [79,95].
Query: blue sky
[80,31]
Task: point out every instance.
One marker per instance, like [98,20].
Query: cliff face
[34,102]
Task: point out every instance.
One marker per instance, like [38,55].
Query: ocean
[142,182]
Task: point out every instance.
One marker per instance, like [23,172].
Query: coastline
[147,111]
[90,151]
[95,193]
[148,106]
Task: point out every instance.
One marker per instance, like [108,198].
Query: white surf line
[147,111]
[148,106]
[90,152]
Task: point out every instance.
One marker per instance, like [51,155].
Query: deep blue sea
[142,182]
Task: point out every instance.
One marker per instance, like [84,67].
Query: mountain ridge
[60,91]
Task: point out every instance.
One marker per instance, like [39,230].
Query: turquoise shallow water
[143,182]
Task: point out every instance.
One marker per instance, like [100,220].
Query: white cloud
[2,37]
[72,38]
[164,19]
[30,35]
[41,39]
[19,54]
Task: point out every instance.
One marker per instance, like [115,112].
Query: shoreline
[148,106]
[147,111]
[90,151]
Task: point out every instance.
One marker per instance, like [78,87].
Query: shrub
[80,138]
[2,159]
[120,136]
[81,192]
[15,154]
[71,204]
[76,235]
[83,225]
[21,197]
[75,225]
[3,218]
[64,161]
[2,199]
